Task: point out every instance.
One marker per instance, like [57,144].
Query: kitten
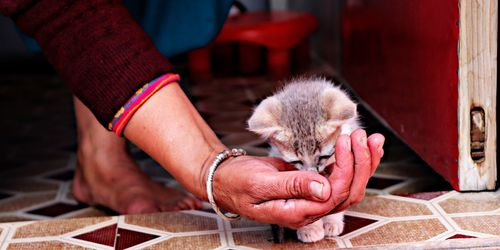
[302,123]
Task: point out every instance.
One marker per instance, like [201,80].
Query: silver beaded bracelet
[222,156]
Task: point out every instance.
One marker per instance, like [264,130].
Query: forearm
[171,131]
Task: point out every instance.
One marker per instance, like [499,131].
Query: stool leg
[199,64]
[301,58]
[249,58]
[278,63]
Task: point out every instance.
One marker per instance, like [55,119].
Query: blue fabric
[176,26]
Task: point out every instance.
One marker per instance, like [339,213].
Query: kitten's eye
[324,157]
[296,162]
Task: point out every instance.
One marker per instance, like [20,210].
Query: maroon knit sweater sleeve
[95,46]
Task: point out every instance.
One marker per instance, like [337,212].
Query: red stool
[278,32]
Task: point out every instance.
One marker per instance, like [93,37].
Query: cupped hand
[263,188]
[356,159]
[260,189]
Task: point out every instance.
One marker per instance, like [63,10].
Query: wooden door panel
[402,58]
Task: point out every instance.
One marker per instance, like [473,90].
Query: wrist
[204,169]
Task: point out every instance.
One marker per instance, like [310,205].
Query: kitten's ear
[337,105]
[265,119]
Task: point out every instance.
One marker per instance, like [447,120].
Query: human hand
[356,159]
[260,189]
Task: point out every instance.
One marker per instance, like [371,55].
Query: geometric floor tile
[424,195]
[55,227]
[28,185]
[471,202]
[173,222]
[353,223]
[104,236]
[245,223]
[57,209]
[484,224]
[381,183]
[400,232]
[20,202]
[128,238]
[44,245]
[65,175]
[13,218]
[210,241]
[263,239]
[460,236]
[379,205]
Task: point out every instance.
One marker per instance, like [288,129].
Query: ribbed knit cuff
[97,49]
[122,117]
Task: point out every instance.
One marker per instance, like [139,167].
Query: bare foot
[107,174]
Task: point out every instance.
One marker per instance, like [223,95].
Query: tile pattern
[128,238]
[405,203]
[103,236]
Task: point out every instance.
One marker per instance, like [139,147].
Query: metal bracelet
[222,156]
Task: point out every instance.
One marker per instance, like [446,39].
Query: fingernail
[316,189]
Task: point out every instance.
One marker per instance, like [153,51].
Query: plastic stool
[278,32]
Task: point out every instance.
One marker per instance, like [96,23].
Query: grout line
[228,233]
[471,214]
[144,229]
[391,176]
[84,243]
[150,242]
[394,187]
[445,216]
[365,215]
[355,233]
[90,228]
[476,234]
[8,237]
[442,236]
[3,236]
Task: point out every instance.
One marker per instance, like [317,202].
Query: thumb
[296,185]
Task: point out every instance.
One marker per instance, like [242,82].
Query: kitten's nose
[314,169]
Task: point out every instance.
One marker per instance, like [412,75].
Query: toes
[142,206]
[170,208]
[311,233]
[333,224]
[193,203]
[333,228]
[186,203]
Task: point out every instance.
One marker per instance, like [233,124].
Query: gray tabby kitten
[302,123]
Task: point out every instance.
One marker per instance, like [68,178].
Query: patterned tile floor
[407,205]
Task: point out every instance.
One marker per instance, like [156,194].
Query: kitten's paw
[333,228]
[312,232]
[333,224]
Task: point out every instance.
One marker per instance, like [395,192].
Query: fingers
[362,165]
[292,213]
[292,185]
[363,160]
[342,172]
[376,143]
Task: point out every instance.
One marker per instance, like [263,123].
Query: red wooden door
[402,57]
